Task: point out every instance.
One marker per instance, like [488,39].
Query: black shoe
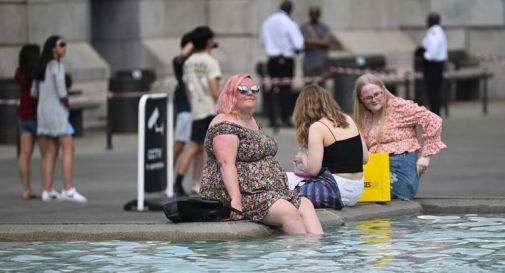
[179,191]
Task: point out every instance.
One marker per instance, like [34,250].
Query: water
[426,243]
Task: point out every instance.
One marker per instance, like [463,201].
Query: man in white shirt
[282,40]
[435,55]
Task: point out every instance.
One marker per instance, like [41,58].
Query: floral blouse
[399,132]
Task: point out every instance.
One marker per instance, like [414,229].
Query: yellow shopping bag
[377,180]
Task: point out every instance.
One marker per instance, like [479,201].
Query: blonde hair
[360,110]
[312,104]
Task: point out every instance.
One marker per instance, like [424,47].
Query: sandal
[239,212]
[30,196]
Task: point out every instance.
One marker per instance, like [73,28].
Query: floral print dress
[261,178]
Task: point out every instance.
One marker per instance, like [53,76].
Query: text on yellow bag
[377,180]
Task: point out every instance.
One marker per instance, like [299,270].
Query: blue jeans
[404,179]
[27,125]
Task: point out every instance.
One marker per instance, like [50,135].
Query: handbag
[322,190]
[377,181]
[196,209]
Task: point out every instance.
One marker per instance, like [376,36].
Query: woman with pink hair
[242,169]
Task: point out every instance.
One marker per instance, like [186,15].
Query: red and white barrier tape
[498,59]
[467,73]
[130,94]
[92,96]
[386,75]
[9,102]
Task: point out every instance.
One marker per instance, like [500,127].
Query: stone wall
[32,21]
[146,33]
[477,26]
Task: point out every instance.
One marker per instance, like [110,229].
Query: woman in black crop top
[332,141]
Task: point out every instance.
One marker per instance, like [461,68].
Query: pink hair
[226,101]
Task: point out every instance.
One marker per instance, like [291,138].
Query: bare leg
[197,167]
[43,143]
[283,213]
[193,149]
[27,141]
[178,146]
[49,149]
[67,146]
[309,217]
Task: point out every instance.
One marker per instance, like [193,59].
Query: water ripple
[426,243]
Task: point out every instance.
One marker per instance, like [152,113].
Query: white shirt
[435,44]
[199,69]
[280,35]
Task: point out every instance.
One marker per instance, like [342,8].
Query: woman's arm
[312,162]
[225,148]
[431,130]
[431,127]
[214,88]
[185,52]
[411,115]
[365,150]
[34,91]
[422,164]
[58,72]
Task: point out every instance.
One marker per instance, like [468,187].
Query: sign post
[155,162]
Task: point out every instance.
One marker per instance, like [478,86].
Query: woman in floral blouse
[242,168]
[388,124]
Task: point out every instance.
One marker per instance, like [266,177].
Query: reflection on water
[377,232]
[427,243]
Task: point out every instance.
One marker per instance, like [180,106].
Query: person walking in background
[333,144]
[53,127]
[27,114]
[388,125]
[317,44]
[183,109]
[282,40]
[242,168]
[435,55]
[201,77]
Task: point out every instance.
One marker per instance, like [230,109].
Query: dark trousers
[282,67]
[433,81]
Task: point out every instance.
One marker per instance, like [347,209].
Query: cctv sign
[155,145]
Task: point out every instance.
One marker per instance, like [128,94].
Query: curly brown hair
[312,104]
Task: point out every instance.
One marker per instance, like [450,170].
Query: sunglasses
[62,44]
[243,89]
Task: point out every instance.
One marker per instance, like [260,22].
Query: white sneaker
[73,195]
[51,196]
[195,188]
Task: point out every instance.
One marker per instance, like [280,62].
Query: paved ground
[471,166]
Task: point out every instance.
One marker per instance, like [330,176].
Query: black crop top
[344,156]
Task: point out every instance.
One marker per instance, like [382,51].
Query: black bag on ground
[150,204]
[196,209]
